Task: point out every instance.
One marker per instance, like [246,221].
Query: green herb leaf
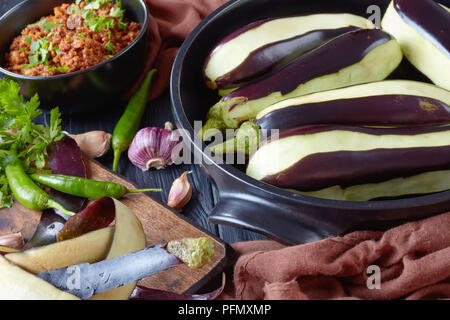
[63,69]
[80,35]
[39,53]
[116,12]
[6,200]
[20,135]
[28,39]
[45,24]
[109,46]
[122,25]
[74,9]
[55,125]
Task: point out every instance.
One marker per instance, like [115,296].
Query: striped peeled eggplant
[356,163]
[266,45]
[356,57]
[422,29]
[383,103]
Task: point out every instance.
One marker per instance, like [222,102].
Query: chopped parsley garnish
[74,9]
[122,25]
[20,135]
[46,24]
[99,23]
[80,35]
[28,39]
[39,53]
[62,69]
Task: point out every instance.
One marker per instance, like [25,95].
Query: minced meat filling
[77,36]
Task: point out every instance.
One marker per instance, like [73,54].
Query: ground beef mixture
[77,36]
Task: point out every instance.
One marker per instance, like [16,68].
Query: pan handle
[272,219]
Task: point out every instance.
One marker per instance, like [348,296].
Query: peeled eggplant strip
[357,57]
[266,45]
[390,102]
[313,158]
[428,182]
[421,28]
[18,284]
[129,236]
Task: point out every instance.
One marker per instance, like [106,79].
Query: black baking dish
[247,203]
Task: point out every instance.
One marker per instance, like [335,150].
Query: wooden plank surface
[160,224]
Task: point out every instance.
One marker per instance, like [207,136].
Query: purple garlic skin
[153,147]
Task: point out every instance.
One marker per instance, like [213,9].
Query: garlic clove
[13,240]
[153,147]
[180,192]
[94,144]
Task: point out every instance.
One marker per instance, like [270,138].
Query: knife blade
[85,279]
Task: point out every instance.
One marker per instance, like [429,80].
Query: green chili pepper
[85,188]
[130,121]
[26,191]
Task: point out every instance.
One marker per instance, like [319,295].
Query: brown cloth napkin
[170,22]
[414,262]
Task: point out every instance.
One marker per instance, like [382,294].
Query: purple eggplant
[421,27]
[329,157]
[266,45]
[384,103]
[144,293]
[98,215]
[64,157]
[356,57]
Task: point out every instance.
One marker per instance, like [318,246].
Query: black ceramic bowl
[94,87]
[254,205]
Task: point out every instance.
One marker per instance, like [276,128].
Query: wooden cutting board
[160,224]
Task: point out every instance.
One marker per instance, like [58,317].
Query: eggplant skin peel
[267,45]
[356,57]
[421,28]
[313,158]
[383,103]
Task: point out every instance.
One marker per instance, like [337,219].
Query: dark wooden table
[158,112]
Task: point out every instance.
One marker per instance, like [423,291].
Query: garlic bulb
[94,144]
[180,192]
[153,147]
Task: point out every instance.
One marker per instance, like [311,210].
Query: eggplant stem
[211,128]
